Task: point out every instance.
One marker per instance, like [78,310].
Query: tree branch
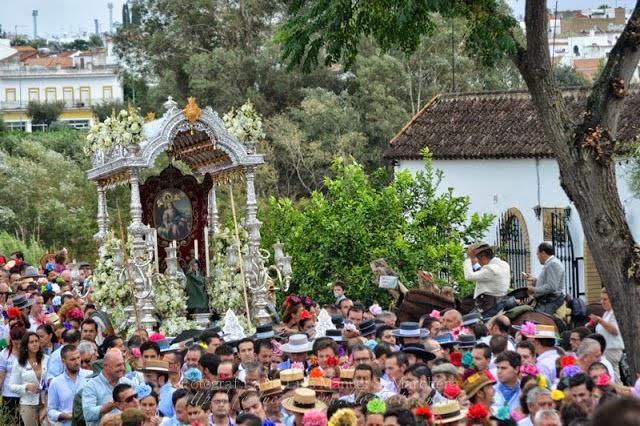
[607,97]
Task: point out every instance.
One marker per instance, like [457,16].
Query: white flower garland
[244,123]
[119,130]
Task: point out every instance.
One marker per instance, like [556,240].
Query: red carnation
[567,360]
[425,412]
[456,359]
[305,315]
[451,391]
[333,361]
[13,313]
[477,412]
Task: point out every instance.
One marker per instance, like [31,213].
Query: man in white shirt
[538,399]
[492,279]
[63,388]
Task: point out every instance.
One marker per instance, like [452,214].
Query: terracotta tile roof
[491,125]
[50,61]
[587,67]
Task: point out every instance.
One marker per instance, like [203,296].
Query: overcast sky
[56,17]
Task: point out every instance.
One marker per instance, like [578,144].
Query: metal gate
[513,247]
[563,245]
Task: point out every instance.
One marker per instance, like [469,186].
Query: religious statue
[197,298]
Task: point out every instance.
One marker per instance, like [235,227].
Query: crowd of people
[365,369]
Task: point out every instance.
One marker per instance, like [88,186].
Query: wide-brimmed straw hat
[410,329]
[272,387]
[537,331]
[292,378]
[298,343]
[447,412]
[155,365]
[303,400]
[478,248]
[477,381]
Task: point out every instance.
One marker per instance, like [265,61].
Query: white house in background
[79,79]
[491,147]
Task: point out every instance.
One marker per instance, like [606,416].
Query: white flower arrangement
[119,130]
[227,293]
[114,294]
[244,123]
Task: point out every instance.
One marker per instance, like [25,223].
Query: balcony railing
[26,71]
[68,104]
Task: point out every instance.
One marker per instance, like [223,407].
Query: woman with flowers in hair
[292,308]
[148,404]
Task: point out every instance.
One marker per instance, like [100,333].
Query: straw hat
[292,377]
[447,412]
[346,374]
[303,400]
[477,381]
[320,384]
[478,248]
[538,331]
[272,387]
[155,365]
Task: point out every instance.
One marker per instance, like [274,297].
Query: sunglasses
[130,398]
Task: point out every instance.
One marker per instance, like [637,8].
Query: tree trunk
[584,152]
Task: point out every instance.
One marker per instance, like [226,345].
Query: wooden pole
[240,260]
[125,260]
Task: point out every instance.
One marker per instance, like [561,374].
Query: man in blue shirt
[63,388]
[55,366]
[97,395]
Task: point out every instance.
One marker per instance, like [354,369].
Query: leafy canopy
[333,28]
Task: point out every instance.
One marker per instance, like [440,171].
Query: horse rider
[548,287]
[492,278]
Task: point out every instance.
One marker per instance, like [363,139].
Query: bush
[44,112]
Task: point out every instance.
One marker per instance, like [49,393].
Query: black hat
[21,302]
[471,318]
[335,335]
[265,332]
[519,293]
[466,341]
[410,329]
[186,335]
[338,321]
[367,327]
[419,351]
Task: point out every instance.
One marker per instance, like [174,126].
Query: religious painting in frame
[172,214]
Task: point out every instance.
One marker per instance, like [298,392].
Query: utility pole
[34,13]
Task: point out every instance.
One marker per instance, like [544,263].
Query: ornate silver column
[212,205]
[137,230]
[251,222]
[102,217]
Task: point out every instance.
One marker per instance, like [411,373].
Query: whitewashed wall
[497,185]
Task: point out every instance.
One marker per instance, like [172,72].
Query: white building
[491,147]
[79,79]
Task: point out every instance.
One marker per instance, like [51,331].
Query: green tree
[411,223]
[95,41]
[567,76]
[44,112]
[330,30]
